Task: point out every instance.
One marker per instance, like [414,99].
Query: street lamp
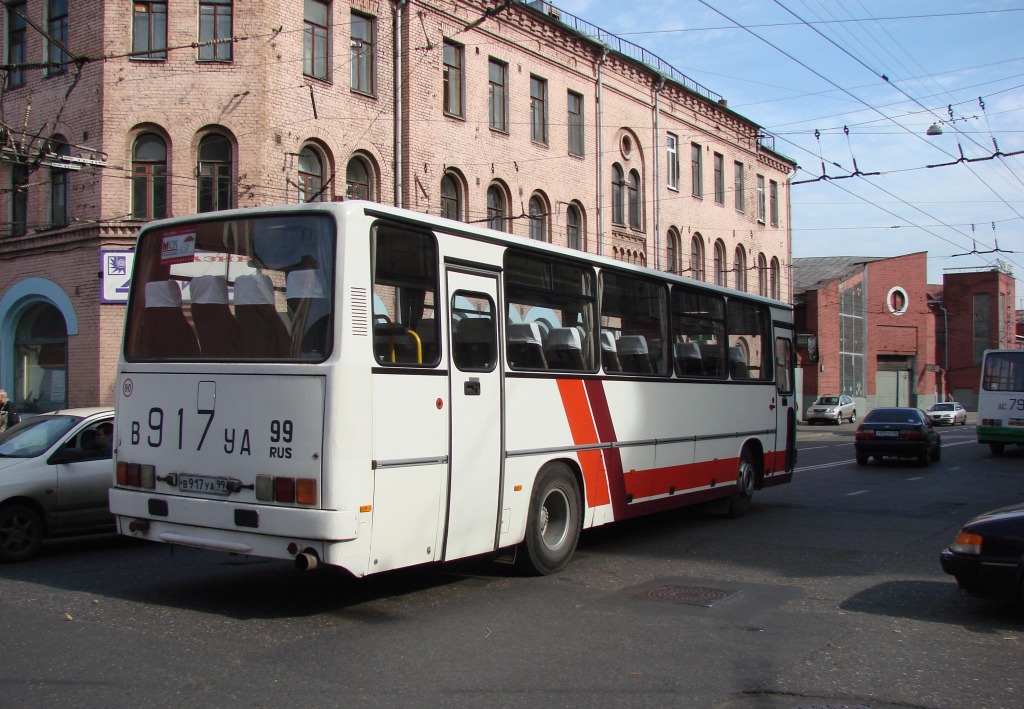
[934,129]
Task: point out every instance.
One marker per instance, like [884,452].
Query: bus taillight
[284,489]
[136,475]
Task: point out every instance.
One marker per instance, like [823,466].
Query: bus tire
[746,474]
[554,522]
[996,448]
[21,533]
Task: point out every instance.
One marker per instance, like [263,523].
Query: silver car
[832,409]
[947,412]
[55,473]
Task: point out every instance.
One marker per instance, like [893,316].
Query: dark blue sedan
[987,557]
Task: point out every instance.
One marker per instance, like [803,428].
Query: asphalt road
[828,593]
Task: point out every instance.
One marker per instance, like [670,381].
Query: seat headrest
[528,332]
[687,350]
[736,355]
[305,284]
[565,338]
[163,294]
[608,341]
[209,290]
[254,289]
[632,345]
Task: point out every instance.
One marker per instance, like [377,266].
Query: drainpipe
[398,7]
[789,236]
[657,173]
[600,154]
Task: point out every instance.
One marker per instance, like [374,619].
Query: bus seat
[215,325]
[474,343]
[310,308]
[711,356]
[738,364]
[687,359]
[525,347]
[166,331]
[634,355]
[564,349]
[609,352]
[656,350]
[262,332]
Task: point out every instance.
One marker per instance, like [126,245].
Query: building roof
[815,271]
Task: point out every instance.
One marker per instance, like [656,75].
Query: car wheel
[553,525]
[862,459]
[853,416]
[746,473]
[922,458]
[997,448]
[937,453]
[21,533]
[839,419]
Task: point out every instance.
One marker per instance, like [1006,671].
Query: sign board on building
[116,270]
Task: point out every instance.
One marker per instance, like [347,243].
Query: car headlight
[967,543]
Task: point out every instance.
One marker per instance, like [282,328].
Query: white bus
[371,388]
[1001,399]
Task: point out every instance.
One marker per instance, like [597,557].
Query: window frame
[60,188]
[363,55]
[618,195]
[538,217]
[452,79]
[739,184]
[311,183]
[218,52]
[720,265]
[57,28]
[719,179]
[698,256]
[315,36]
[497,96]
[760,199]
[577,138]
[672,161]
[150,178]
[19,199]
[221,181]
[17,37]
[497,213]
[151,51]
[538,110]
[773,202]
[697,169]
[574,232]
[739,268]
[451,206]
[634,200]
[369,190]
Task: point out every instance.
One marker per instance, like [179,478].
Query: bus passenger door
[475,454]
[785,400]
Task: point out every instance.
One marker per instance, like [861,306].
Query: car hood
[998,515]
[6,463]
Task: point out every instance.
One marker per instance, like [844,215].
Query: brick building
[513,113]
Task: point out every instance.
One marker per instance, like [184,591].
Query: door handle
[472,387]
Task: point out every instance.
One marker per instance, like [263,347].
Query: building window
[739,269]
[773,202]
[150,30]
[575,102]
[19,199]
[539,110]
[672,160]
[773,279]
[720,263]
[149,177]
[633,186]
[60,186]
[697,258]
[719,178]
[618,195]
[214,170]
[16,26]
[57,26]
[359,179]
[739,186]
[496,213]
[697,169]
[315,42]
[452,80]
[451,198]
[538,219]
[574,227]
[40,360]
[363,55]
[672,252]
[497,95]
[311,176]
[762,275]
[760,198]
[215,30]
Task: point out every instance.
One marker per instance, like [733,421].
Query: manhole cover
[689,595]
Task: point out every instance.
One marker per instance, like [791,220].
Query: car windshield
[942,407]
[892,416]
[34,436]
[828,400]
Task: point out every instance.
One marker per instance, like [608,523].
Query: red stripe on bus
[606,432]
[581,425]
[680,478]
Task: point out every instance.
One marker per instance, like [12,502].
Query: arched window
[451,197]
[739,269]
[633,185]
[496,213]
[538,218]
[774,279]
[149,177]
[40,360]
[618,195]
[60,184]
[697,258]
[214,171]
[311,176]
[574,227]
[672,252]
[359,179]
[762,275]
[720,263]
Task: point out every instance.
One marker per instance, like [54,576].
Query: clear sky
[838,81]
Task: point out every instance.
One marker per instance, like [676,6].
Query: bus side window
[637,308]
[525,348]
[750,347]
[698,333]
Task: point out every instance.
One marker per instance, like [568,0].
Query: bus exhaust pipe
[306,561]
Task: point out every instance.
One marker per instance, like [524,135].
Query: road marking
[815,448]
[851,460]
[917,478]
[859,492]
[955,468]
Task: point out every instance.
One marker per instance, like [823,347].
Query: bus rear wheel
[746,473]
[553,524]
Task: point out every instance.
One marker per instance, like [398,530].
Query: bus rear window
[237,290]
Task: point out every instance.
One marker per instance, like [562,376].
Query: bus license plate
[201,483]
[888,434]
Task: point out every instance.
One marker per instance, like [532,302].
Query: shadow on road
[936,602]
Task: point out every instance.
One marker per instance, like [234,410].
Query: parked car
[948,412]
[832,409]
[898,432]
[55,473]
[987,556]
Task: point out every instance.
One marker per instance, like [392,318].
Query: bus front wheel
[553,524]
